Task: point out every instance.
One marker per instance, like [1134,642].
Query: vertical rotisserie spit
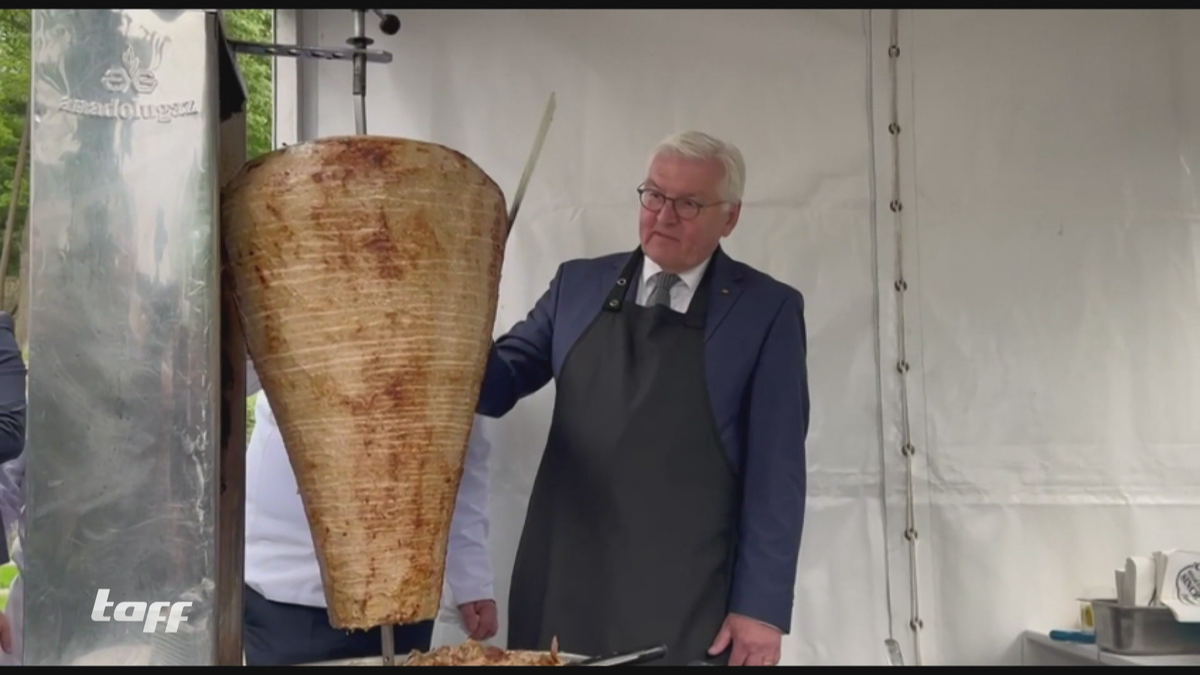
[367,272]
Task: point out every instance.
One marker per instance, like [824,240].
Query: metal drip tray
[378,660]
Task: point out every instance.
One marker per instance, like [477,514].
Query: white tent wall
[1050,321]
[1056,321]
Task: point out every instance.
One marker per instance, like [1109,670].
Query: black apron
[630,534]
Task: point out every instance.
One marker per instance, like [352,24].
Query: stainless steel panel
[123,427]
[1143,631]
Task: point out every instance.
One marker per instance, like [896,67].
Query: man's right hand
[480,619]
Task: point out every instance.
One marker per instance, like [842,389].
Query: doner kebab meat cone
[367,271]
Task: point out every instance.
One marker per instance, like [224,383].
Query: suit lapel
[609,278]
[724,293]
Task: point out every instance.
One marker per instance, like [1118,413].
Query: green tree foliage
[14,98]
[251,25]
[251,401]
[255,25]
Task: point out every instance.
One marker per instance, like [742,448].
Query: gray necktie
[662,289]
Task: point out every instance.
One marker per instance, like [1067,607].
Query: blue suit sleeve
[774,474]
[12,392]
[519,363]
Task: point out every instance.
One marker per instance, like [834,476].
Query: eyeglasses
[686,208]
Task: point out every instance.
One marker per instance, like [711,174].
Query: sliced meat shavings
[472,653]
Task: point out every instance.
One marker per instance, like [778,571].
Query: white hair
[700,146]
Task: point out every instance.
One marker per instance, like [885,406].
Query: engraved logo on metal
[133,78]
[1187,584]
[130,74]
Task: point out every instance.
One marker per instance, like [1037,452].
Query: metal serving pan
[1143,631]
[632,657]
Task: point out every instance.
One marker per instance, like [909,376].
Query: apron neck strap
[697,311]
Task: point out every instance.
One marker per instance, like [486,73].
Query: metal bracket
[358,54]
[296,51]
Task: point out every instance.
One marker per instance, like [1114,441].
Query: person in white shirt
[286,622]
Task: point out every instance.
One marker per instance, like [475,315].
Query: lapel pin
[724,291]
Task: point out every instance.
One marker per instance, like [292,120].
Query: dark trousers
[279,634]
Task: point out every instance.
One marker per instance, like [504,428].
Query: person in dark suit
[669,503]
[12,392]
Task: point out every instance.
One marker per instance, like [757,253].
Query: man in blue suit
[670,499]
[12,391]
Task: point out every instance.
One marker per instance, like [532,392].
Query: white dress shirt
[681,293]
[281,559]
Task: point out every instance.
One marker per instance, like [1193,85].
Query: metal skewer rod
[360,41]
[390,25]
[389,645]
